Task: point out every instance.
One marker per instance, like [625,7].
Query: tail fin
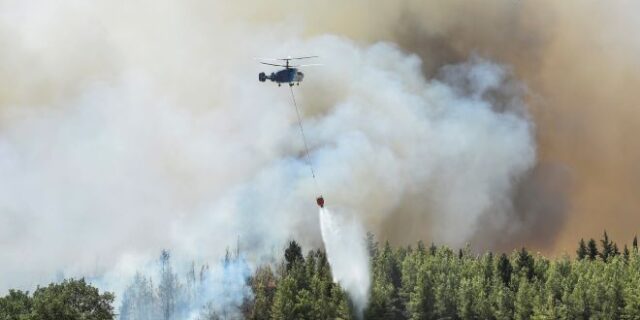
[262,77]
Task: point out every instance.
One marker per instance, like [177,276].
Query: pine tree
[304,305]
[626,253]
[388,276]
[372,245]
[191,285]
[524,300]
[293,255]
[283,307]
[525,263]
[433,249]
[631,291]
[488,268]
[501,302]
[341,304]
[310,269]
[139,301]
[504,269]
[381,301]
[576,300]
[607,247]
[263,285]
[635,243]
[464,300]
[592,249]
[421,299]
[323,268]
[582,252]
[410,266]
[168,289]
[421,249]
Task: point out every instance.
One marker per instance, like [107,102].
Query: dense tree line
[300,288]
[440,283]
[69,300]
[414,282]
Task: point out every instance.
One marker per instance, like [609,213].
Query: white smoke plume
[344,241]
[127,129]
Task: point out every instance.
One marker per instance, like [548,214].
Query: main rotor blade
[273,64]
[298,58]
[309,65]
[286,59]
[268,59]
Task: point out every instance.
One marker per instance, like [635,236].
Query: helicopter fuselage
[289,75]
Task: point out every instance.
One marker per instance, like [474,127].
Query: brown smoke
[581,63]
[583,72]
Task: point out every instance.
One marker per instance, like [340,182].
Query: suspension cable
[304,139]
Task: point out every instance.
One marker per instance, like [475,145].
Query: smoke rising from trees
[125,129]
[156,136]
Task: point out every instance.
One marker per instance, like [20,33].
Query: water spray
[343,240]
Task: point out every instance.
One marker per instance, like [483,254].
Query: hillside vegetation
[415,282]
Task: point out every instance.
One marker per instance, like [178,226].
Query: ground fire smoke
[125,129]
[109,160]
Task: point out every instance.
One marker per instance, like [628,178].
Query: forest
[414,282]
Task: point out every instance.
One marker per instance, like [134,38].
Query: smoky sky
[130,127]
[581,69]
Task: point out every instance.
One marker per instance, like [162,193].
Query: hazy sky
[127,127]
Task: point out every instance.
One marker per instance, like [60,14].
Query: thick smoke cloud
[582,69]
[125,129]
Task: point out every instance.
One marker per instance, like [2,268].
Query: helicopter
[289,74]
